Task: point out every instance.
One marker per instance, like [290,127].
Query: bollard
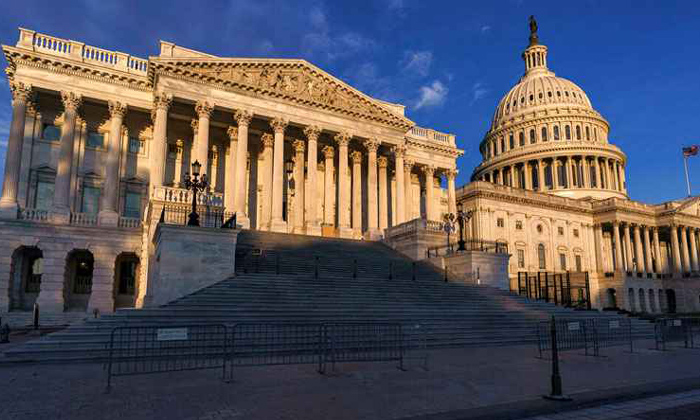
[556,393]
[35,316]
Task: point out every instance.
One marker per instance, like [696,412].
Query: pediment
[690,207]
[296,81]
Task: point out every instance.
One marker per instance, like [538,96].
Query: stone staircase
[354,283]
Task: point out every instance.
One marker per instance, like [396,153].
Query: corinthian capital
[372,145]
[268,140]
[243,117]
[312,132]
[399,151]
[328,152]
[232,133]
[116,109]
[428,170]
[162,101]
[279,124]
[356,157]
[299,146]
[21,93]
[451,173]
[204,109]
[343,138]
[195,125]
[71,101]
[408,165]
[382,162]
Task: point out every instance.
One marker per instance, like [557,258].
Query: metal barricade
[673,330]
[156,349]
[361,342]
[572,334]
[605,333]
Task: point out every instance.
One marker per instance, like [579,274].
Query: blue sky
[448,62]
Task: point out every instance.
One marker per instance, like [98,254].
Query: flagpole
[687,179]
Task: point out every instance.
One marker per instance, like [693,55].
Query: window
[539,228]
[594,182]
[503,145]
[567,132]
[579,267]
[132,205]
[541,257]
[91,200]
[44,195]
[499,222]
[521,138]
[575,233]
[588,133]
[556,132]
[519,224]
[595,134]
[521,258]
[544,134]
[562,261]
[136,145]
[511,142]
[511,139]
[51,133]
[532,136]
[578,132]
[95,139]
[560,230]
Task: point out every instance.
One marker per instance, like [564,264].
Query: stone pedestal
[108,218]
[8,210]
[476,267]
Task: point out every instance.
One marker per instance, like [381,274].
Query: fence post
[556,393]
[520,283]
[588,293]
[546,287]
[568,288]
[316,267]
[556,301]
[538,292]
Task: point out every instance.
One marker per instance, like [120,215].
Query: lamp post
[449,227]
[195,184]
[462,218]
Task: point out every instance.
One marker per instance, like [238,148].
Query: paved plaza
[502,382]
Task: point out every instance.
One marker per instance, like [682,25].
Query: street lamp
[462,218]
[449,227]
[195,184]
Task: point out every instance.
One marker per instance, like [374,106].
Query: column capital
[195,125]
[312,132]
[204,109]
[162,101]
[299,145]
[343,138]
[450,173]
[243,117]
[268,140]
[372,145]
[21,92]
[328,152]
[408,164]
[382,162]
[399,150]
[356,157]
[428,170]
[232,133]
[279,124]
[116,109]
[71,100]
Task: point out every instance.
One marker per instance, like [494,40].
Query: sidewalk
[458,381]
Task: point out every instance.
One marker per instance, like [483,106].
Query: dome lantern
[535,55]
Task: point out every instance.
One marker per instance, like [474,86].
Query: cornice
[435,147]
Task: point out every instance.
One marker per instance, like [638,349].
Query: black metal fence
[570,289]
[590,335]
[361,342]
[156,349]
[669,331]
[275,344]
[469,245]
[209,217]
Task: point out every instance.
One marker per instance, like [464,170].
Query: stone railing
[83,219]
[183,196]
[431,135]
[129,222]
[75,50]
[413,226]
[35,215]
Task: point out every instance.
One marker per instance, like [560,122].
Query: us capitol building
[102,142]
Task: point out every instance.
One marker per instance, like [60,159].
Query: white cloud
[418,62]
[431,95]
[479,90]
[485,28]
[317,17]
[321,41]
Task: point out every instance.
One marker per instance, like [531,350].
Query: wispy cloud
[321,41]
[479,90]
[431,95]
[485,29]
[418,62]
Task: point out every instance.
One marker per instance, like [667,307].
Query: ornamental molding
[294,81]
[444,150]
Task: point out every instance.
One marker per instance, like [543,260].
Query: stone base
[278,226]
[8,209]
[346,233]
[60,216]
[108,218]
[477,267]
[313,230]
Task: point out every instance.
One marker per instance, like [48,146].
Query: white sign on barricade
[171,334]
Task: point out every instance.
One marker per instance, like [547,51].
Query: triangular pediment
[691,207]
[296,81]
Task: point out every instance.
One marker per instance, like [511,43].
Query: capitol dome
[546,136]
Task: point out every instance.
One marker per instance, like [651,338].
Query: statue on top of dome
[534,40]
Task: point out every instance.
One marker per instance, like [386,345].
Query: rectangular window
[560,230]
[575,233]
[136,145]
[562,261]
[499,222]
[578,263]
[519,224]
[521,258]
[511,143]
[95,140]
[91,200]
[44,195]
[132,205]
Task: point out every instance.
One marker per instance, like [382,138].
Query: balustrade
[129,222]
[35,215]
[183,196]
[83,219]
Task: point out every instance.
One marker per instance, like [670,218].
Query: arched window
[511,143]
[532,136]
[595,134]
[541,257]
[567,131]
[588,134]
[521,138]
[544,134]
[503,145]
[578,132]
[556,132]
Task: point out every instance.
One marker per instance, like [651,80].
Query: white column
[329,154]
[356,157]
[110,193]
[201,148]
[179,148]
[586,172]
[540,175]
[243,118]
[684,249]
[528,175]
[628,247]
[230,174]
[598,173]
[61,203]
[657,250]
[555,174]
[598,245]
[569,173]
[268,141]
[278,224]
[299,192]
[382,163]
[408,186]
[21,95]
[214,167]
[372,221]
[619,266]
[429,172]
[451,197]
[312,223]
[639,251]
[675,250]
[647,251]
[161,103]
[693,250]
[343,139]
[399,152]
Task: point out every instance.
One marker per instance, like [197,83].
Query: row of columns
[606,173]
